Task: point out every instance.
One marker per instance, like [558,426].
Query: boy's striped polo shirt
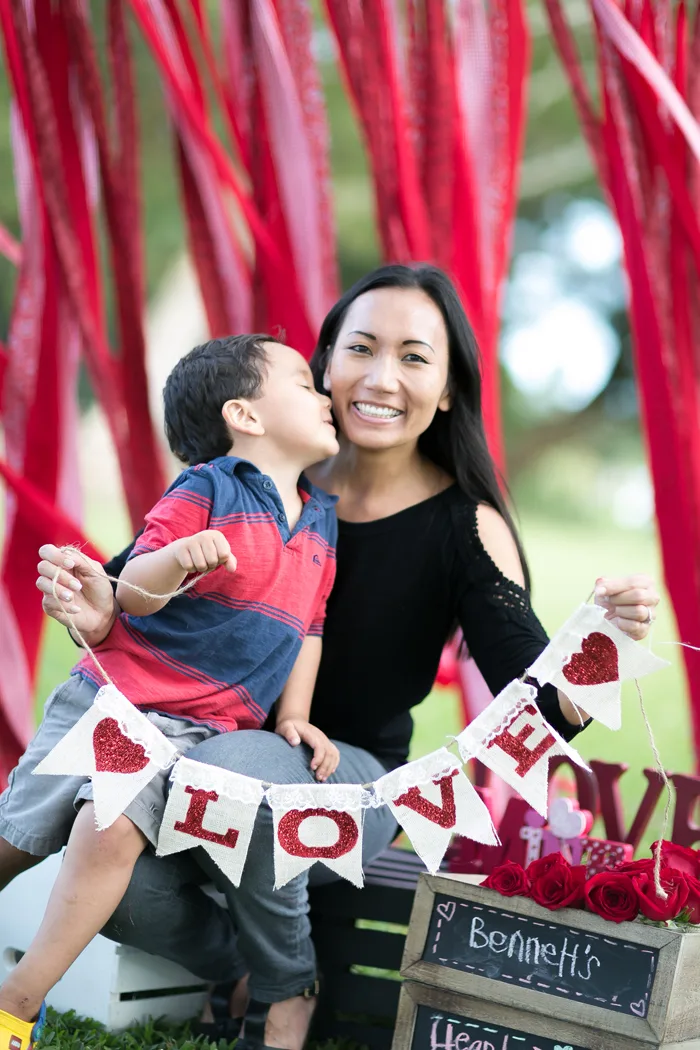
[221,653]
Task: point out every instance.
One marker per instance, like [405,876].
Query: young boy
[244,414]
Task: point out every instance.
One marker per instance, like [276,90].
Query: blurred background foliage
[569,402]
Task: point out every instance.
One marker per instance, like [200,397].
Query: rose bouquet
[621,894]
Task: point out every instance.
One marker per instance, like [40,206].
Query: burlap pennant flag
[512,738]
[117,747]
[317,822]
[432,800]
[212,808]
[588,658]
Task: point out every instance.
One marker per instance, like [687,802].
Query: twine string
[660,891]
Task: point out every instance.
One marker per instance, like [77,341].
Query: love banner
[117,746]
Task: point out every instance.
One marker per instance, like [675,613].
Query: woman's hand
[629,602]
[85,596]
[326,755]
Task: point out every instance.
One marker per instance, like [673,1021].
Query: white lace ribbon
[203,777]
[346,797]
[431,767]
[493,719]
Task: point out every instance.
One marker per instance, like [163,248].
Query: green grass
[68,1032]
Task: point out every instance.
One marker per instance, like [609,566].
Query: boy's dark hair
[199,386]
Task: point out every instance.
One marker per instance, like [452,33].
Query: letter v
[444,815]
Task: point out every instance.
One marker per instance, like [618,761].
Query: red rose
[680,858]
[537,868]
[612,895]
[635,867]
[692,903]
[508,879]
[655,907]
[556,884]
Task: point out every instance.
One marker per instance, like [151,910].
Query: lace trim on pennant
[113,704]
[434,766]
[472,739]
[203,777]
[346,797]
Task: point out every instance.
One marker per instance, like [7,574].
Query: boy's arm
[294,707]
[295,701]
[175,542]
[163,571]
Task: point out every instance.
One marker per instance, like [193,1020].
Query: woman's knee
[255,753]
[152,890]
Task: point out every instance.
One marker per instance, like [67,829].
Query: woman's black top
[403,584]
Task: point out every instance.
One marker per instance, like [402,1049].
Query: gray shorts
[37,813]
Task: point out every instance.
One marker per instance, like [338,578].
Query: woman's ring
[649,620]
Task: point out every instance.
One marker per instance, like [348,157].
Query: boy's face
[293,414]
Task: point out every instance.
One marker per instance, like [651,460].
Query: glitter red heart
[115,752]
[595,664]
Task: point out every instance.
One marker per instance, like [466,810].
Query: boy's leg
[94,875]
[13,862]
[37,812]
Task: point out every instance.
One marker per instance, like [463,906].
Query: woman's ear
[445,402]
[241,417]
[327,370]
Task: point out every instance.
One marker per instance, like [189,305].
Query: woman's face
[387,373]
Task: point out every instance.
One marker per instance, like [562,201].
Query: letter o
[288,833]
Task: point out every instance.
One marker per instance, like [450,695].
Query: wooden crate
[436,1019]
[112,983]
[629,979]
[360,964]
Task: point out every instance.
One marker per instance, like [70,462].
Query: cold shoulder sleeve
[500,628]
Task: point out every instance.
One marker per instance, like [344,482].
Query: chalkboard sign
[437,1030]
[544,956]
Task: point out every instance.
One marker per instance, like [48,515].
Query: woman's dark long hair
[455,440]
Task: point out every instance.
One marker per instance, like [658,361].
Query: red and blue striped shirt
[220,654]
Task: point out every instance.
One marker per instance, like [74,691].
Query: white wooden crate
[109,982]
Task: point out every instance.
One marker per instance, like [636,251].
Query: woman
[426,545]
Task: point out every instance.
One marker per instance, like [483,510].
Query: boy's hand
[203,552]
[326,755]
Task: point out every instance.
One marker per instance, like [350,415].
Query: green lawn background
[565,560]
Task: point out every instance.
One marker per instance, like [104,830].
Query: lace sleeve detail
[477,570]
[500,628]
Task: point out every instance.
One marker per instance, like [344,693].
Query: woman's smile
[373,412]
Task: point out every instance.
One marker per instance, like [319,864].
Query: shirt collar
[234,464]
[324,498]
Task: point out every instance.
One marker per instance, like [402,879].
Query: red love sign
[595,664]
[115,752]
